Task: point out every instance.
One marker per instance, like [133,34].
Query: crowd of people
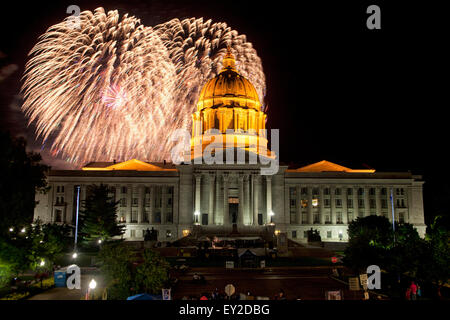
[413,291]
[218,295]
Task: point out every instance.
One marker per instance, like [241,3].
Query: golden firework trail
[116,89]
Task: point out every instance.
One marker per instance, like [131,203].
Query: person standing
[408,293]
[413,288]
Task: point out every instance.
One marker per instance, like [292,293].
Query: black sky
[335,89]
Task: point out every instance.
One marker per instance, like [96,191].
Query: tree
[436,257]
[99,215]
[369,238]
[127,274]
[152,273]
[47,242]
[22,175]
[23,251]
[117,267]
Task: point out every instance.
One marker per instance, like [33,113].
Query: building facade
[221,197]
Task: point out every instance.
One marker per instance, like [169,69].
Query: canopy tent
[145,296]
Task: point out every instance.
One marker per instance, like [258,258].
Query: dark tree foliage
[22,175]
[99,215]
[372,241]
[127,273]
[435,267]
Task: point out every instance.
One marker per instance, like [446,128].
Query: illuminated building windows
[315,202]
[304,203]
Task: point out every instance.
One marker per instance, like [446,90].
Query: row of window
[400,203]
[339,217]
[156,217]
[338,191]
[135,202]
[305,234]
[146,190]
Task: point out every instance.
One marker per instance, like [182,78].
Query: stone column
[344,206]
[211,213]
[129,202]
[333,205]
[217,213]
[299,205]
[197,213]
[378,200]
[322,206]
[151,217]
[163,204]
[255,179]
[248,215]
[240,220]
[355,203]
[366,202]
[269,198]
[226,215]
[141,204]
[310,211]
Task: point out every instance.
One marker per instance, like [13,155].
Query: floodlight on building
[197,213]
[271,213]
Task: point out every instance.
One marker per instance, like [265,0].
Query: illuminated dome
[229,104]
[228,88]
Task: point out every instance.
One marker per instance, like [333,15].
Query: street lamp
[11,229]
[42,263]
[75,255]
[23,230]
[99,241]
[92,286]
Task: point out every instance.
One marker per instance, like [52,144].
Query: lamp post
[92,286]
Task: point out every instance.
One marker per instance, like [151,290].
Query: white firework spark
[115,89]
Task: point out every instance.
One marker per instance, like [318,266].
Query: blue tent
[145,296]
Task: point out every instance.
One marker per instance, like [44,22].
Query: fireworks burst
[115,89]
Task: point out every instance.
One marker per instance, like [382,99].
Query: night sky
[336,90]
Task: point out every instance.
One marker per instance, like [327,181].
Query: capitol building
[224,198]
